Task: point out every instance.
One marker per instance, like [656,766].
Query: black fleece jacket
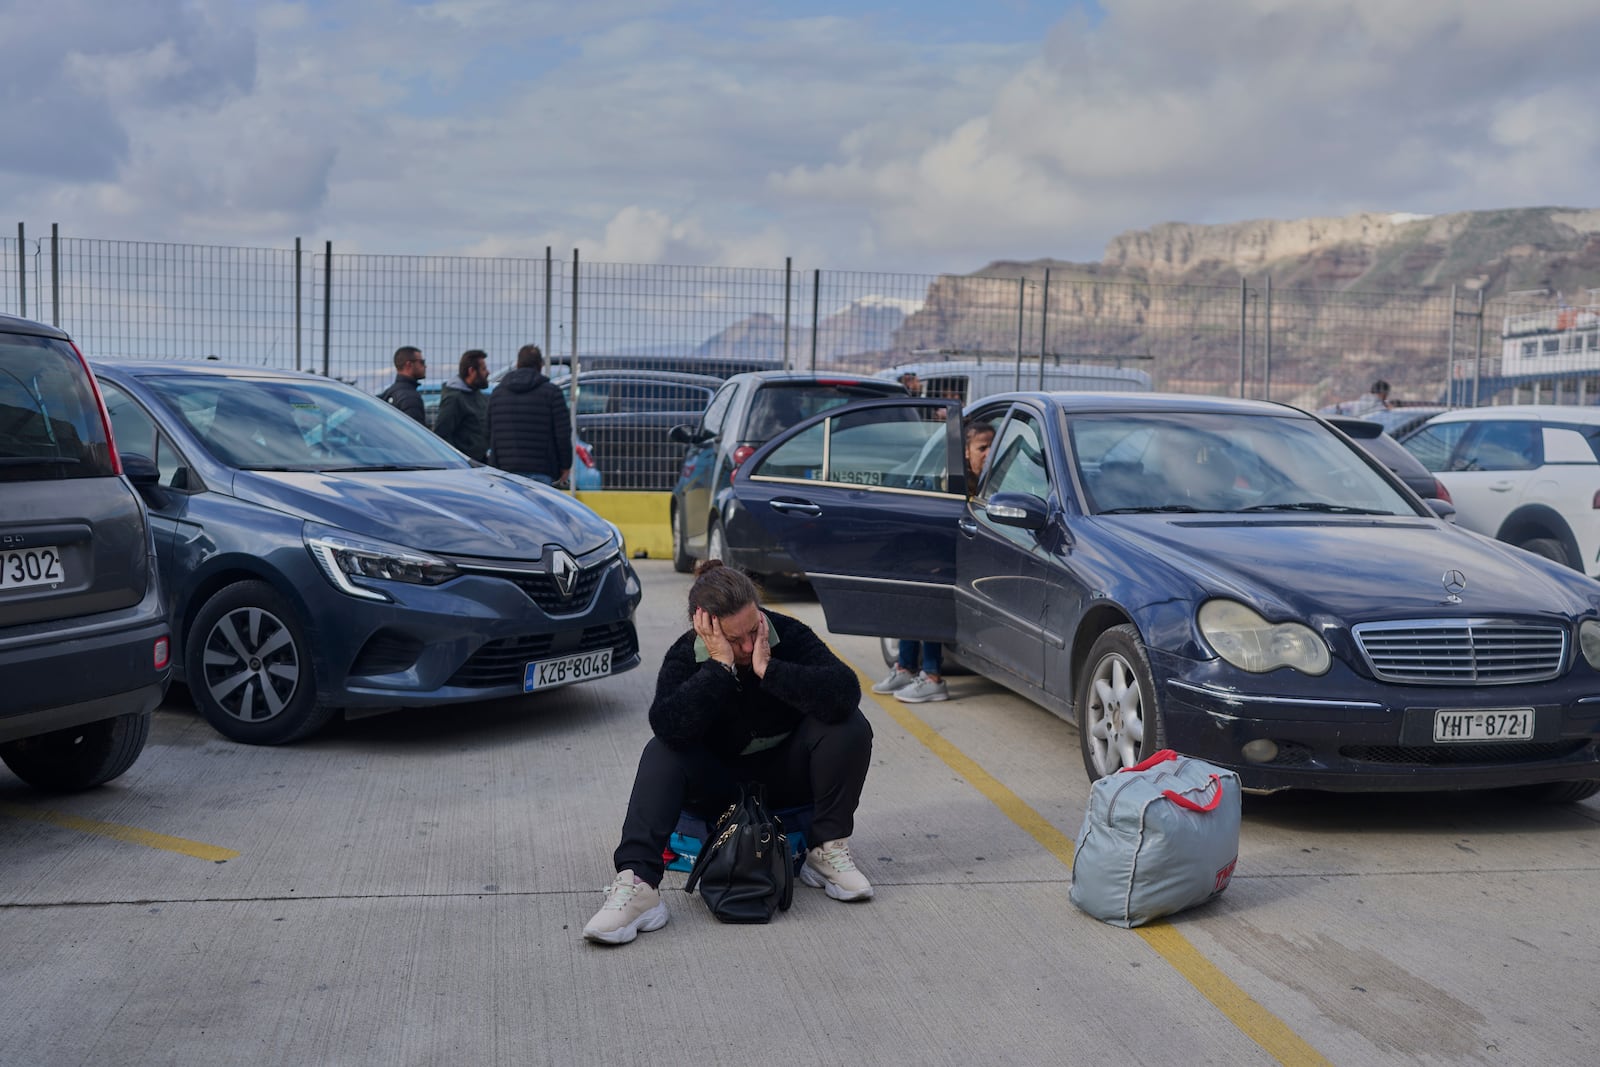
[700,702]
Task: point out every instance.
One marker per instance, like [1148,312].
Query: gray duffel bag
[1158,837]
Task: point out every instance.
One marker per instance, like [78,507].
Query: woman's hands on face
[709,629]
[762,653]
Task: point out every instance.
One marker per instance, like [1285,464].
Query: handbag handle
[1151,760]
[1184,802]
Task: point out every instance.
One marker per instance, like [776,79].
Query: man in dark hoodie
[409,369]
[530,429]
[463,418]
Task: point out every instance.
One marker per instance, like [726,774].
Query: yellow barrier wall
[644,518]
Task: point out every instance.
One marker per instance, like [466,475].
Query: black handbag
[744,871]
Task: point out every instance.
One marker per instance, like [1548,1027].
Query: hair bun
[706,565]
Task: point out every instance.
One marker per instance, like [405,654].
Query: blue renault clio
[320,551]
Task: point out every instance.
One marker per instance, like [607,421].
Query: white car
[1526,474]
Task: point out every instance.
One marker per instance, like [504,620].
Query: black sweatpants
[821,763]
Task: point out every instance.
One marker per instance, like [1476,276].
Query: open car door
[865,499]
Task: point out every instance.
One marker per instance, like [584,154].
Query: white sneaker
[923,689]
[631,906]
[829,866]
[897,678]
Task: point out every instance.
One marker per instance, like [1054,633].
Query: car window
[645,395]
[717,411]
[891,448]
[1017,458]
[780,405]
[136,432]
[302,424]
[1502,445]
[1192,461]
[1435,443]
[592,396]
[1566,444]
[50,424]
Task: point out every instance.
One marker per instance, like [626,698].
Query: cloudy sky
[919,135]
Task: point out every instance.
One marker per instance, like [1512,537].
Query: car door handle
[795,507]
[1501,487]
[967,526]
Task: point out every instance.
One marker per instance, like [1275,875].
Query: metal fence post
[1266,369]
[298,339]
[1477,363]
[327,305]
[788,292]
[549,293]
[1244,329]
[1450,355]
[22,274]
[816,298]
[1044,327]
[1022,292]
[55,274]
[572,446]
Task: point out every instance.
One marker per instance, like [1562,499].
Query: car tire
[1550,549]
[1118,709]
[716,543]
[81,757]
[1558,792]
[249,667]
[682,562]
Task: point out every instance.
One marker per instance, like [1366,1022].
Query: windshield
[1187,461]
[299,424]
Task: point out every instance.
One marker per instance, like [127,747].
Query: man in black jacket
[530,429]
[463,418]
[409,369]
[744,696]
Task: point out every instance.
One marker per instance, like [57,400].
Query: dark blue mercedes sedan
[1234,579]
[320,551]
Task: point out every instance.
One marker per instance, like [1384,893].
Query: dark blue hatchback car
[1233,579]
[321,551]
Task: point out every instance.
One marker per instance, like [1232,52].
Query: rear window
[778,406]
[50,425]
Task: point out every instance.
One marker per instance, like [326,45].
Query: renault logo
[564,569]
[1455,583]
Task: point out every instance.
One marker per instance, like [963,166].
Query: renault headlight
[1589,641]
[343,556]
[1251,643]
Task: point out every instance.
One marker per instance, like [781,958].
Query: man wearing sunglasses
[409,369]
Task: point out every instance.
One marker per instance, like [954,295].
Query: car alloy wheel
[249,667]
[1119,718]
[682,562]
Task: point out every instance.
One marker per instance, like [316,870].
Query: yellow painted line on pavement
[131,834]
[1253,1020]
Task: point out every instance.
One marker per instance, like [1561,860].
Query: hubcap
[251,664]
[1115,714]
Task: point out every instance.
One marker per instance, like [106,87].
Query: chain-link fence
[344,314]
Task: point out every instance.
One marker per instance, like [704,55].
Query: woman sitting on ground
[745,695]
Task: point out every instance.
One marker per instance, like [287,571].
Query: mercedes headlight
[1251,643]
[1589,641]
[342,556]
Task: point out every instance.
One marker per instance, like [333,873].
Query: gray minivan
[84,642]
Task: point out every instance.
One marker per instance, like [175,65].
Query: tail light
[162,653]
[113,455]
[740,454]
[1444,494]
[584,457]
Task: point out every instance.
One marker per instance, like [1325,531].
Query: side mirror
[1442,508]
[682,434]
[1022,510]
[141,470]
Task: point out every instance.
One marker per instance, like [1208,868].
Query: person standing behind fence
[409,369]
[530,429]
[464,407]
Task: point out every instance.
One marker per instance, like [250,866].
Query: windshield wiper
[34,461]
[381,467]
[1318,506]
[1168,508]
